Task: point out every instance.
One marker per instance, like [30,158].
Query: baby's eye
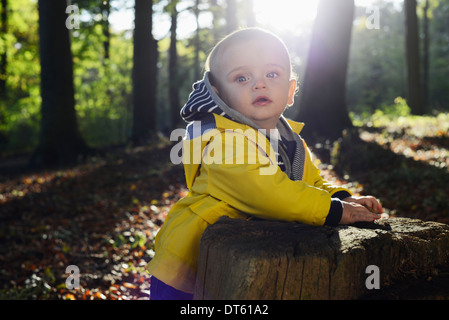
[241,79]
[272,75]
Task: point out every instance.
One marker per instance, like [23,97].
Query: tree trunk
[175,104]
[414,93]
[272,260]
[60,140]
[196,64]
[216,17]
[425,82]
[3,55]
[144,74]
[105,12]
[231,16]
[322,103]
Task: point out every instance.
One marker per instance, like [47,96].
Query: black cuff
[335,213]
[341,195]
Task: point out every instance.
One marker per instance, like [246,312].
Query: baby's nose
[259,84]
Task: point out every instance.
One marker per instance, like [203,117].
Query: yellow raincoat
[237,176]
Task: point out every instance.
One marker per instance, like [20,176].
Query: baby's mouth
[261,101]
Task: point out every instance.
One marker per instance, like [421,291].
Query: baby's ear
[291,92]
[215,89]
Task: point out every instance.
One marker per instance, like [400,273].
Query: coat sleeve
[319,182]
[250,182]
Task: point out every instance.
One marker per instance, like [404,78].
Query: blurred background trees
[322,103]
[144,74]
[60,141]
[134,63]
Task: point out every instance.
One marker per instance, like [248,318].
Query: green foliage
[398,109]
[376,63]
[376,67]
[19,109]
[395,119]
[185,72]
[103,88]
[382,115]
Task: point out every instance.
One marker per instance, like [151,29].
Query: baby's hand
[360,209]
[355,212]
[371,203]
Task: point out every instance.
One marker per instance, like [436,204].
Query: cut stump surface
[272,260]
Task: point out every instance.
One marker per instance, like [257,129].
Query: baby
[247,85]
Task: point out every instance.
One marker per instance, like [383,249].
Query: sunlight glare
[285,14]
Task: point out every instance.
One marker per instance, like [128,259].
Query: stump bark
[271,260]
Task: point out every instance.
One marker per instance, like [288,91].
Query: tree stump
[272,260]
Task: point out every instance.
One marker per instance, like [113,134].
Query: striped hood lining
[203,100]
[200,102]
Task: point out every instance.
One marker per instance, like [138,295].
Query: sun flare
[285,14]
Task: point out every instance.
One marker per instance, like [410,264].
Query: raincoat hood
[205,101]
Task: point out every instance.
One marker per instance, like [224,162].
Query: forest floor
[102,216]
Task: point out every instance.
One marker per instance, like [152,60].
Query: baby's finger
[371,208]
[375,206]
[370,216]
[380,209]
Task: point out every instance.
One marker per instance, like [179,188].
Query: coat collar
[225,123]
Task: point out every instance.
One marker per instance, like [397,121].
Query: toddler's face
[254,78]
